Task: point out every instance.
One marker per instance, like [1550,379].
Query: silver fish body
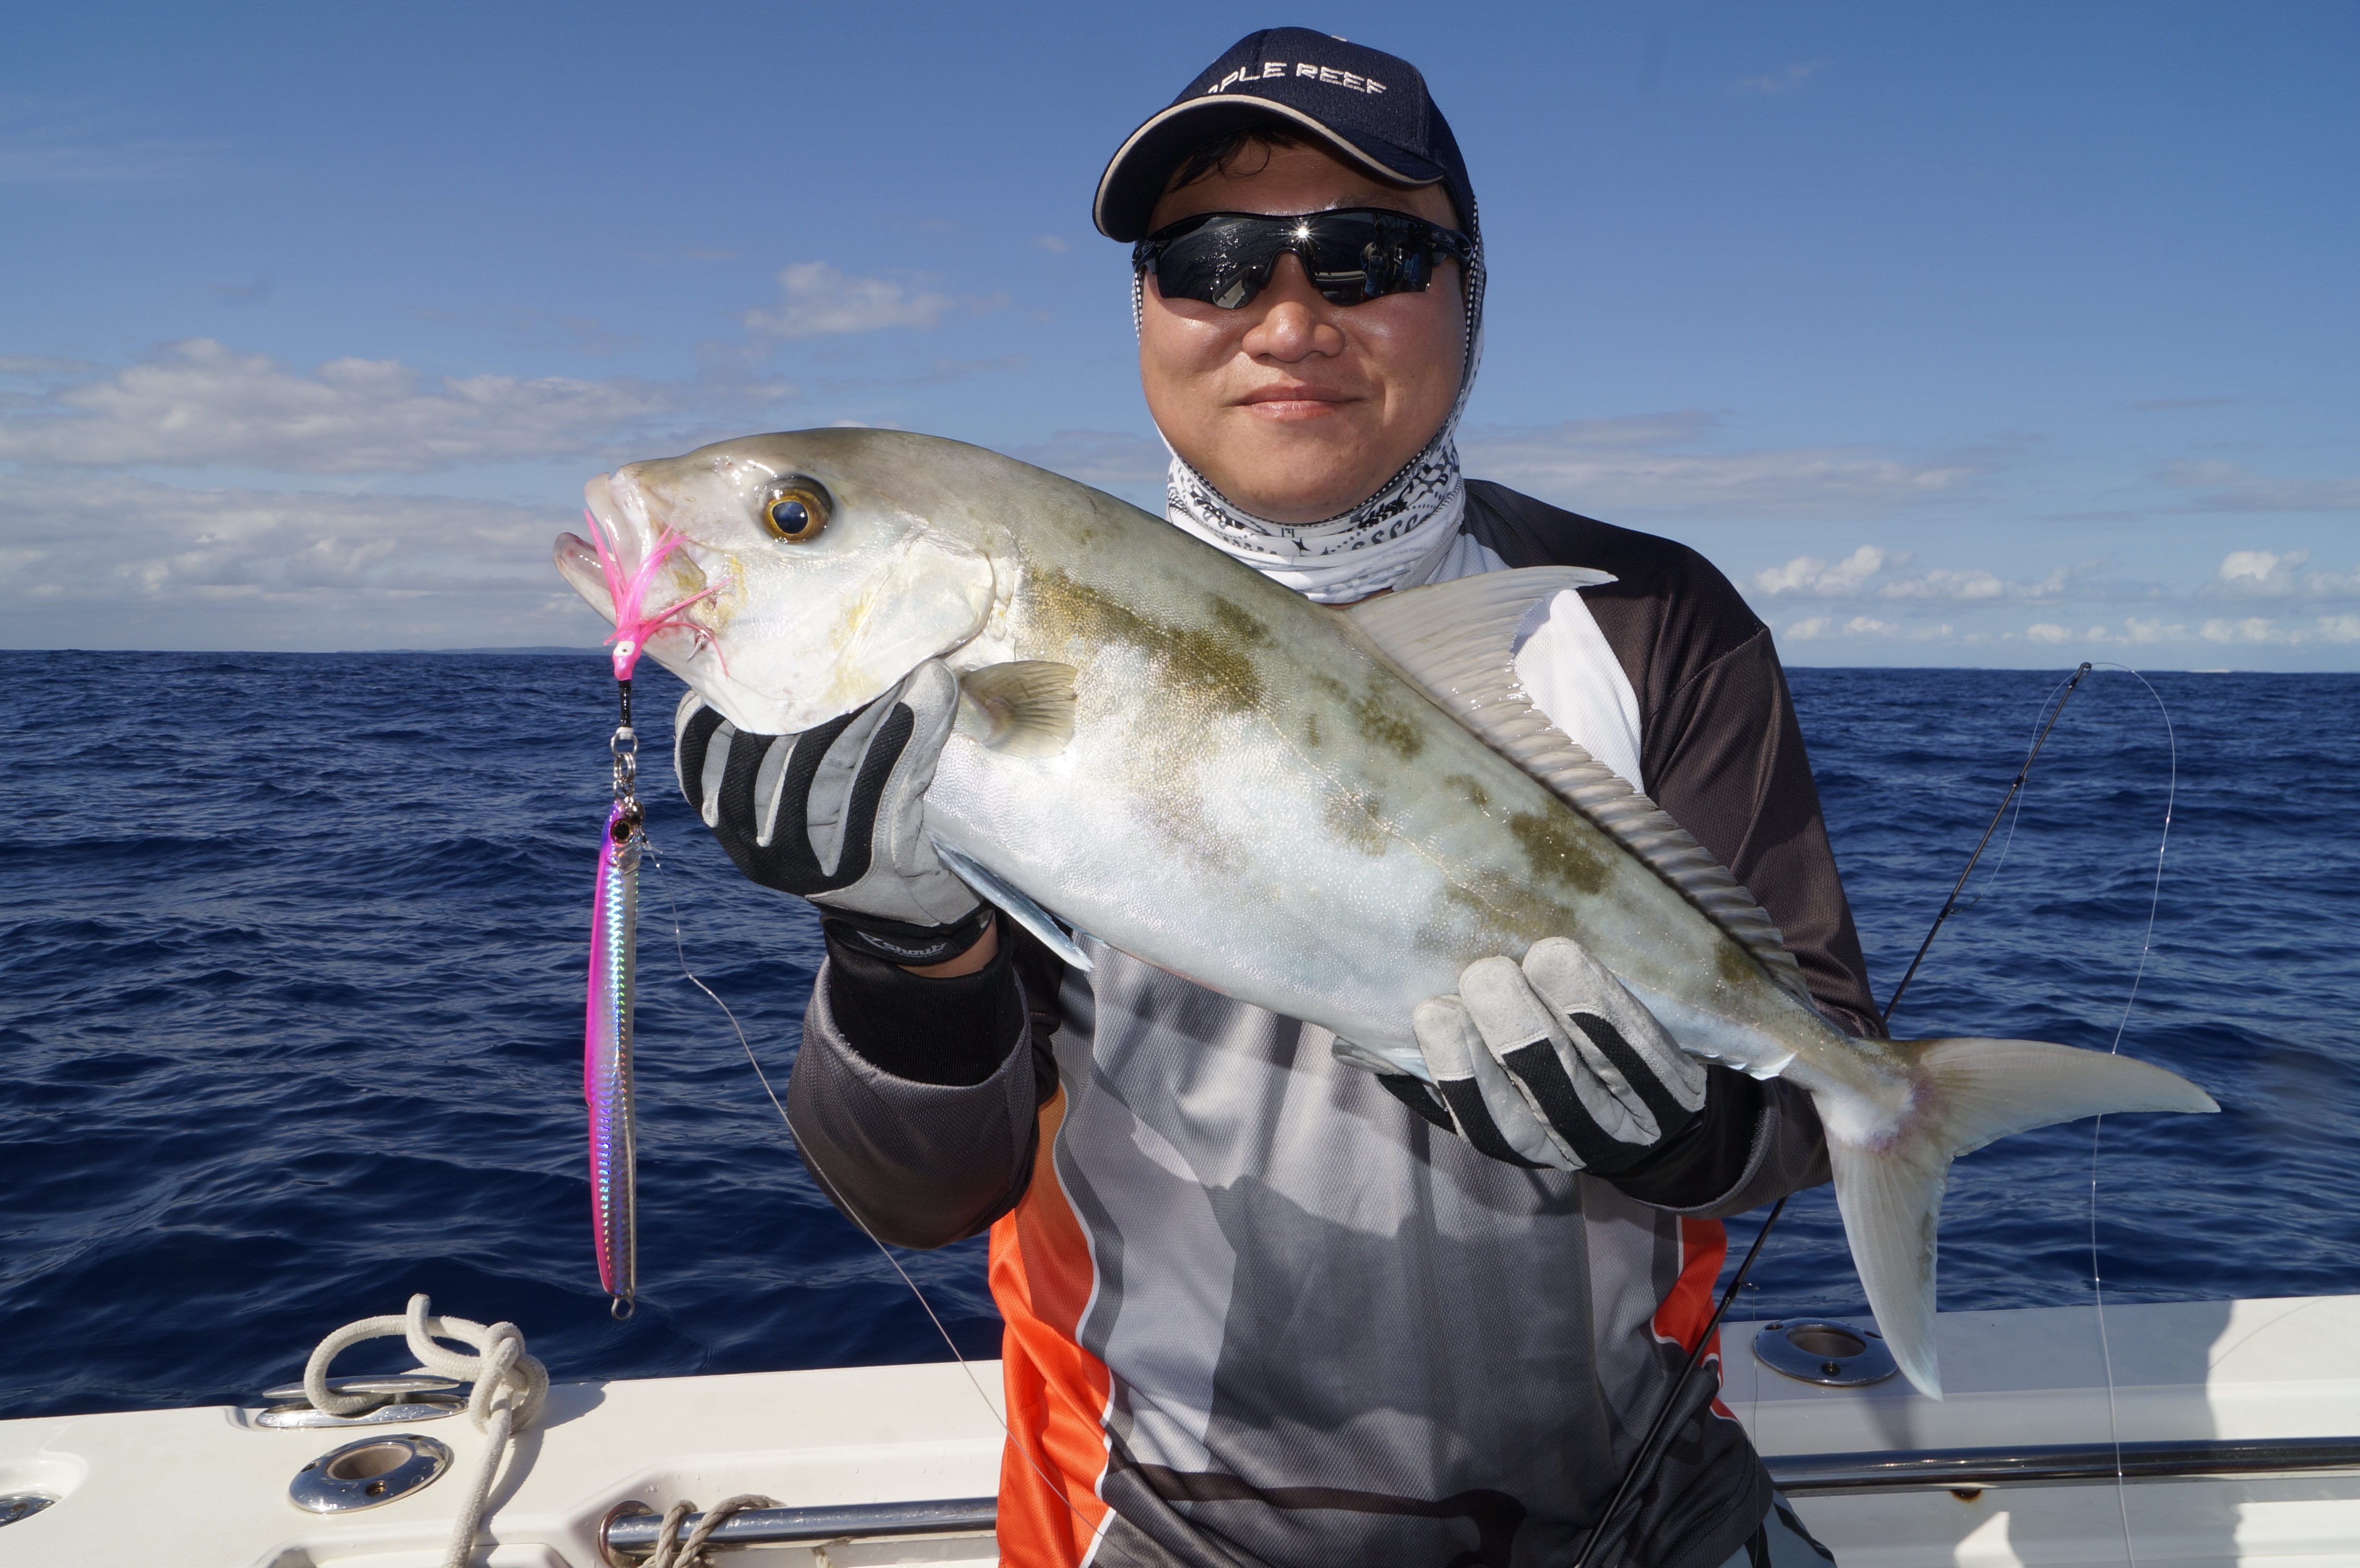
[1312,810]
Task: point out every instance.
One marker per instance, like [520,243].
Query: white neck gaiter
[1396,536]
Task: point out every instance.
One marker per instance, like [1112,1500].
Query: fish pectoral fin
[1024,708]
[1968,1092]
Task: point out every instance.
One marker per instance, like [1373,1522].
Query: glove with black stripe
[1552,1062]
[835,815]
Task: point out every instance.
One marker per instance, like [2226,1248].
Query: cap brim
[1135,176]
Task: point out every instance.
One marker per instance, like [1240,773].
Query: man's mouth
[1286,403]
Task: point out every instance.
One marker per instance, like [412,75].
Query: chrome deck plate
[1826,1351]
[368,1474]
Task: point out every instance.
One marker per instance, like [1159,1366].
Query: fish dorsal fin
[1456,641]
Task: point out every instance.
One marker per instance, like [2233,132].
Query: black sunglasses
[1351,254]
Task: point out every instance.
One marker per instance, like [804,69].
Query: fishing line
[2015,792]
[680,948]
[2147,945]
[2051,710]
[2041,726]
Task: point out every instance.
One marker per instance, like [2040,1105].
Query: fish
[1327,812]
[607,1083]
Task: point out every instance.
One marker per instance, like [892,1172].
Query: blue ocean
[291,951]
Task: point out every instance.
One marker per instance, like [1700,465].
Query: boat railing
[2059,1463]
[630,1537]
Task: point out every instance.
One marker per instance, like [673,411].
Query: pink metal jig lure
[614,933]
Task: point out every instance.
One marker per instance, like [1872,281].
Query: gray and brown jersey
[1259,1313]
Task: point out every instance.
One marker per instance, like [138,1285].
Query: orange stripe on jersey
[1042,1278]
[1687,1308]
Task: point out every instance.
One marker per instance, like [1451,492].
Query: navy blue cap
[1371,109]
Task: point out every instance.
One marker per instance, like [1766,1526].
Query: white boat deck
[197,1489]
[2283,1367]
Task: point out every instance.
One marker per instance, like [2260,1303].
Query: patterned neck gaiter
[1396,536]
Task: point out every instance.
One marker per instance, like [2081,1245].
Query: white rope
[509,1389]
[673,1552]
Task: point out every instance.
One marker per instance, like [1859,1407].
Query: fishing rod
[1643,1460]
[1951,902]
[1639,1462]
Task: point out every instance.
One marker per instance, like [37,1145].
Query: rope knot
[509,1387]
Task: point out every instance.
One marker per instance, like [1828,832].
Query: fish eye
[796,509]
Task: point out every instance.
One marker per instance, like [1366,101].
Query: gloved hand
[833,814]
[1552,1062]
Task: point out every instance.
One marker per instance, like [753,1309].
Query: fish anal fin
[1890,1178]
[1024,708]
[1457,642]
[1012,901]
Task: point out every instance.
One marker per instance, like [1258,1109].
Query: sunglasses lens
[1224,263]
[1349,255]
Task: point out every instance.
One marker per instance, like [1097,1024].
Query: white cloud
[1947,583]
[1821,629]
[2253,629]
[1635,464]
[1056,244]
[99,560]
[1788,80]
[1809,574]
[2135,629]
[1974,586]
[1858,575]
[2260,572]
[201,404]
[2265,574]
[821,301]
[2231,487]
[2269,629]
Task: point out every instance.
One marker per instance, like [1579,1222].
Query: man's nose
[1296,322]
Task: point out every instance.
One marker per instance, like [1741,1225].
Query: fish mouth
[625,556]
[578,562]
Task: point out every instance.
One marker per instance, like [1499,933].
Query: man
[1265,1304]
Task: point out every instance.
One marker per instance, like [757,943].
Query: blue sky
[2007,334]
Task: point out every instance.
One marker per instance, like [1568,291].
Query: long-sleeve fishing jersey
[1259,1313]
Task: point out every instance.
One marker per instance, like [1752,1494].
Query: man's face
[1297,409]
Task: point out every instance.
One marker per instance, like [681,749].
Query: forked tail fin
[1964,1094]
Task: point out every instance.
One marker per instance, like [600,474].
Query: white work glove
[1552,1062]
[835,814]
